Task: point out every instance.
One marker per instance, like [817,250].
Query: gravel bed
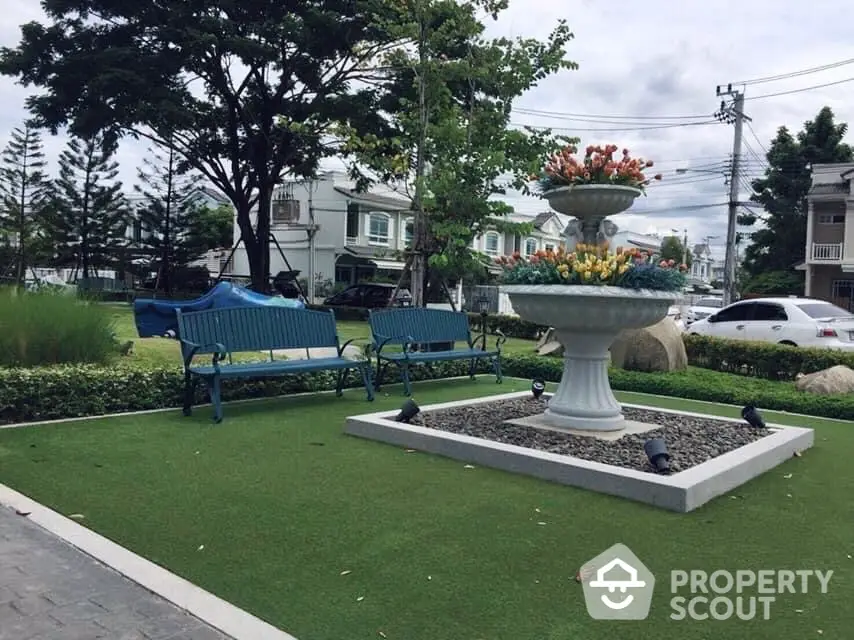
[690,440]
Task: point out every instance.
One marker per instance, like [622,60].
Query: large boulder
[655,348]
[838,379]
[548,344]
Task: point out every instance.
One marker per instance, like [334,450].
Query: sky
[646,80]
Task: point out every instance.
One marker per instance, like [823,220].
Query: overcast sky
[647,73]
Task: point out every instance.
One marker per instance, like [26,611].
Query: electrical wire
[642,128]
[796,74]
[613,120]
[801,90]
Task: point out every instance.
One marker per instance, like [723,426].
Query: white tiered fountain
[586,318]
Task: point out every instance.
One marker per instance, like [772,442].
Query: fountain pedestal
[586,318]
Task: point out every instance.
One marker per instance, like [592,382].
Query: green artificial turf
[270,508]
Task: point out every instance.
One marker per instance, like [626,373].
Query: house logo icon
[617,585]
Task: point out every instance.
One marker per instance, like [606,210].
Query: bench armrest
[501,339]
[220,354]
[366,352]
[384,340]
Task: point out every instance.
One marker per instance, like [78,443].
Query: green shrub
[40,328]
[761,359]
[68,391]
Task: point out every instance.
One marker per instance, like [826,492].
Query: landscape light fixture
[537,388]
[408,411]
[752,416]
[656,451]
[483,305]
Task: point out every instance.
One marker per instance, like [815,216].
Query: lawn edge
[210,609]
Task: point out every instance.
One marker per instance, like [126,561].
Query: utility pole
[312,232]
[732,114]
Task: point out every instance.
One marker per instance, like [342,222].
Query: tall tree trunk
[165,266]
[257,248]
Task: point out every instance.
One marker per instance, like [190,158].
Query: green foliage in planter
[761,359]
[45,327]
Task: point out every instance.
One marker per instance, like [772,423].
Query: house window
[842,292]
[285,211]
[378,229]
[530,246]
[550,246]
[831,218]
[352,221]
[408,231]
[492,243]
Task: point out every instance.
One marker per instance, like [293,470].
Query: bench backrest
[257,329]
[421,325]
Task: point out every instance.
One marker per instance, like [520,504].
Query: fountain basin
[587,320]
[586,201]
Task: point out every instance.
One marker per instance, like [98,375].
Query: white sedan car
[800,322]
[703,308]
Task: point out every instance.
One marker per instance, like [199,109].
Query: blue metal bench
[413,328]
[223,332]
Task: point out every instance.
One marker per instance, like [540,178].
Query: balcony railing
[824,252]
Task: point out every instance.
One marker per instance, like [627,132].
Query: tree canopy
[451,148]
[245,91]
[780,245]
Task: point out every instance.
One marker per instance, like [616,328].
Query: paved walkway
[51,591]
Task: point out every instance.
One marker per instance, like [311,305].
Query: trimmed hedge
[761,359]
[510,326]
[82,390]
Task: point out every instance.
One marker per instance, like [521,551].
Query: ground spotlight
[656,451]
[752,416]
[537,387]
[408,411]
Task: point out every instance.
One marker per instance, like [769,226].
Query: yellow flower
[622,269]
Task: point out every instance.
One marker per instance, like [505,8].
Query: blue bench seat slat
[411,327]
[223,332]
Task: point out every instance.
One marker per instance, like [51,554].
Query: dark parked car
[371,295]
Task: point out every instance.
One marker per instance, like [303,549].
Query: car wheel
[788,343]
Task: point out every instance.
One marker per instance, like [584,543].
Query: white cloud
[642,61]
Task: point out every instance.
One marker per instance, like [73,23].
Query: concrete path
[51,591]
[351,352]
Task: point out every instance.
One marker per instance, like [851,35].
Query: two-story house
[547,235]
[702,265]
[360,235]
[829,264]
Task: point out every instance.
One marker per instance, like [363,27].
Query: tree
[169,214]
[447,100]
[23,196]
[212,228]
[89,214]
[245,91]
[782,193]
[672,248]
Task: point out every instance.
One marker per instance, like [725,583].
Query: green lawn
[283,503]
[165,351]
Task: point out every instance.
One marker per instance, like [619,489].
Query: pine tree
[168,215]
[90,213]
[23,198]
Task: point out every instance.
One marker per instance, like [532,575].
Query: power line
[665,126]
[756,137]
[795,74]
[559,115]
[801,90]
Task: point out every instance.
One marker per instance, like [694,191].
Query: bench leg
[473,367]
[404,373]
[381,367]
[366,379]
[339,385]
[497,365]
[189,393]
[216,398]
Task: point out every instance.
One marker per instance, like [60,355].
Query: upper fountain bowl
[592,200]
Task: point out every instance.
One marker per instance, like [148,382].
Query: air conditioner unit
[286,211]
